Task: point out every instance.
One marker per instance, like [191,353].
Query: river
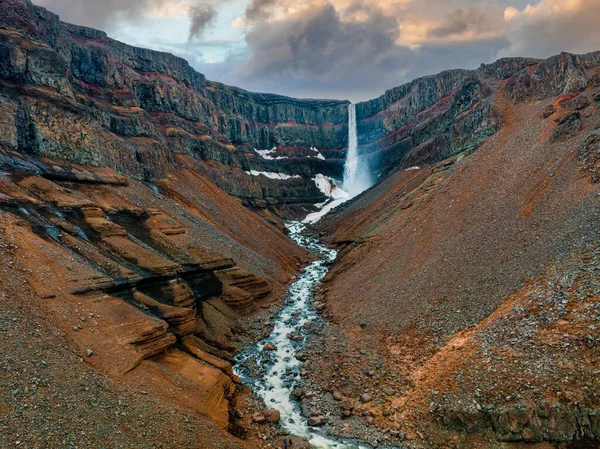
[279,369]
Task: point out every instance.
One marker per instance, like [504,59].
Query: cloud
[461,21]
[317,44]
[202,14]
[349,53]
[552,26]
[258,10]
[99,14]
[105,14]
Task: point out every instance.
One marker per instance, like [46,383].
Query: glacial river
[280,370]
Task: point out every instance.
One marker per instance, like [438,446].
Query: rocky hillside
[141,232]
[464,302]
[438,116]
[151,284]
[72,93]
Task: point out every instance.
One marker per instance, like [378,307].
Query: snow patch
[319,154]
[271,175]
[413,168]
[267,154]
[316,216]
[330,187]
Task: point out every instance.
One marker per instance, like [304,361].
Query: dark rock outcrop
[438,116]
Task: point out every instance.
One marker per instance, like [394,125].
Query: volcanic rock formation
[141,230]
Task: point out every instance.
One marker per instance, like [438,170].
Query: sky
[343,49]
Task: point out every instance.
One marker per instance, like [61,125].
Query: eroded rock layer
[149,290]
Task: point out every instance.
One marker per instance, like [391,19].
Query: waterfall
[357,176]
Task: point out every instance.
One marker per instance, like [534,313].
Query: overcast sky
[346,49]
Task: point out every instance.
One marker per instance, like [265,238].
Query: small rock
[269,347]
[89,352]
[315,421]
[298,393]
[346,404]
[365,397]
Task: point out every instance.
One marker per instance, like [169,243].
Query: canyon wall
[465,287]
[72,93]
[438,116]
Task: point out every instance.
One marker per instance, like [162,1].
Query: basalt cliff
[143,244]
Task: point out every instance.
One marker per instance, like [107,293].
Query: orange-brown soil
[434,303]
[136,282]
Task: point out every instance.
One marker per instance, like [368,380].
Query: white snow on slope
[319,155]
[267,154]
[330,187]
[271,175]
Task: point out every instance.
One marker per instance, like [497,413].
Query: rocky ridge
[436,117]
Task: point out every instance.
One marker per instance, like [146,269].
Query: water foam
[357,175]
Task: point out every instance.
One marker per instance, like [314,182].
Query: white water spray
[357,176]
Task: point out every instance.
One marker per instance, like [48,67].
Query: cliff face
[438,116]
[72,93]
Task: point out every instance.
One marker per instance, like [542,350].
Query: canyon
[143,213]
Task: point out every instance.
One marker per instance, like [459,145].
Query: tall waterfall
[357,176]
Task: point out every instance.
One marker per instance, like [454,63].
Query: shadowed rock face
[438,116]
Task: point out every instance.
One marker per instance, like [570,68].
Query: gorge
[428,258]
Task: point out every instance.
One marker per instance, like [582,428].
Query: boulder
[316,421]
[298,393]
[272,415]
[294,337]
[302,356]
